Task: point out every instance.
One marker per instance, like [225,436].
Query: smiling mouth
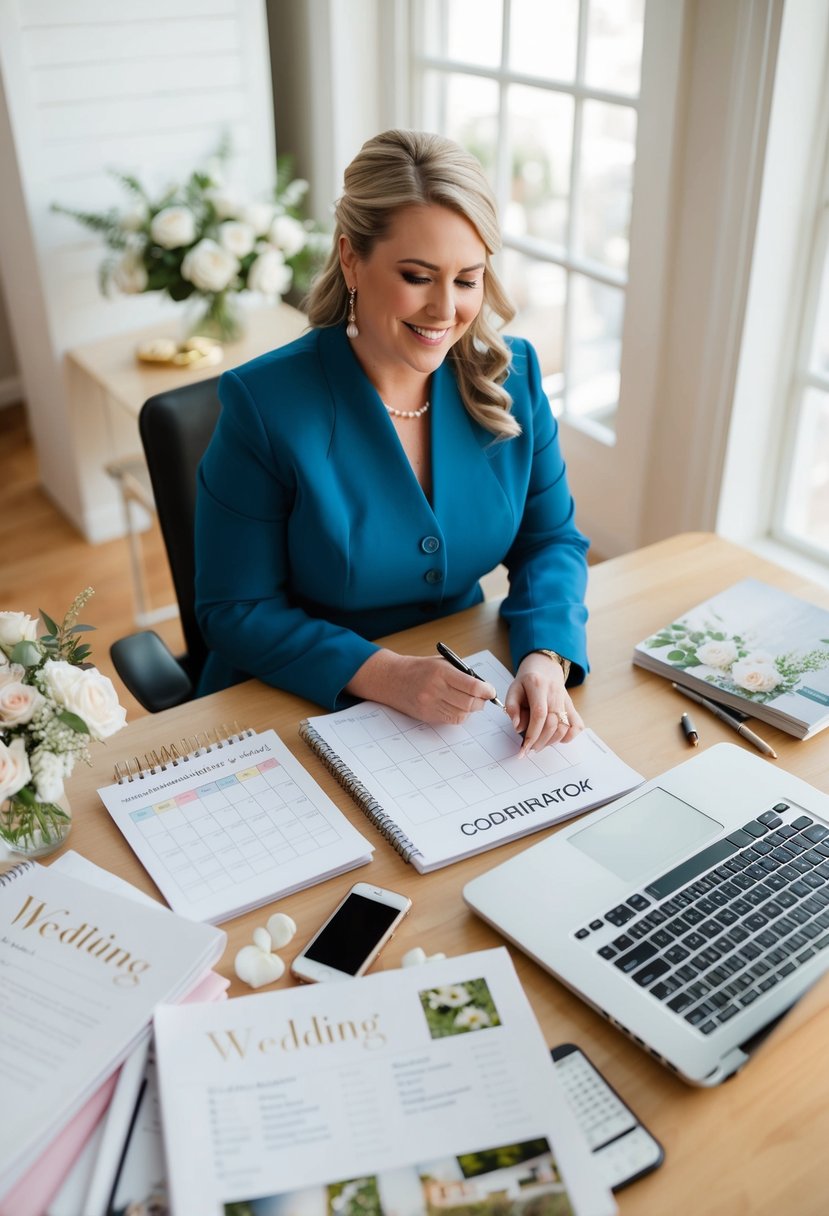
[430,335]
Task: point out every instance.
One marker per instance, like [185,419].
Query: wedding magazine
[81,971]
[413,1091]
[442,793]
[754,649]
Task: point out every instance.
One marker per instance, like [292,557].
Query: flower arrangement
[459,1008]
[201,239]
[51,706]
[731,662]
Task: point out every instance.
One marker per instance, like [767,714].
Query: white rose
[18,703]
[288,235]
[173,227]
[14,768]
[259,216]
[754,675]
[16,627]
[717,654]
[10,673]
[86,693]
[227,204]
[236,237]
[209,267]
[130,274]
[135,217]
[269,274]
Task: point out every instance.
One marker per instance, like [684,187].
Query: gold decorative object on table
[197,351]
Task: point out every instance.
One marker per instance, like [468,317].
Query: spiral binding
[367,803]
[174,754]
[15,871]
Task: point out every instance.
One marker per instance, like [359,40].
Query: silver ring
[562,717]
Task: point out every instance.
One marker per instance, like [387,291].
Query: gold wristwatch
[551,654]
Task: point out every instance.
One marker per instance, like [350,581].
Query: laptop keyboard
[713,934]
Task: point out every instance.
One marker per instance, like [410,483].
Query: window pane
[607,158]
[543,38]
[807,506]
[466,109]
[614,45]
[820,348]
[595,350]
[465,30]
[537,289]
[540,140]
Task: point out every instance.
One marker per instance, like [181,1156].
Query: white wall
[88,86]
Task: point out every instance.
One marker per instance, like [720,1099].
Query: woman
[363,478]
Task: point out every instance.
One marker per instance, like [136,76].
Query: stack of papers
[81,972]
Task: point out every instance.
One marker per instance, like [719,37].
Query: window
[546,95]
[802,518]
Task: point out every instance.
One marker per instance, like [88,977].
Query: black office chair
[175,429]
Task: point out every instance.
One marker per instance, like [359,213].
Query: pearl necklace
[408,413]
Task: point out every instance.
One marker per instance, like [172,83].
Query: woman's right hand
[428,689]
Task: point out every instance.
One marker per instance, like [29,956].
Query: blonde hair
[413,168]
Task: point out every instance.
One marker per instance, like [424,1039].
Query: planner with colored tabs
[231,825]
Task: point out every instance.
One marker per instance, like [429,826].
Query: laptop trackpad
[645,835]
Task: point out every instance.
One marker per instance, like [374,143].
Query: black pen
[729,719]
[450,656]
[689,730]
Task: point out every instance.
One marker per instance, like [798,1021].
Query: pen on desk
[689,730]
[450,656]
[730,720]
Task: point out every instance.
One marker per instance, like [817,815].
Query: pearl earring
[351,329]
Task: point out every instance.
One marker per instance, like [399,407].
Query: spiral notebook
[230,824]
[442,793]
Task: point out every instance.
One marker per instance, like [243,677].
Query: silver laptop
[692,913]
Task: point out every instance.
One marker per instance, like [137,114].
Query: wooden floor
[44,562]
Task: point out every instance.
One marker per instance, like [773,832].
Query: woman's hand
[540,706]
[429,689]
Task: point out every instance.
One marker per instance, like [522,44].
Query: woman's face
[418,291]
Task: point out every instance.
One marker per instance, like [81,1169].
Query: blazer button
[430,544]
[434,576]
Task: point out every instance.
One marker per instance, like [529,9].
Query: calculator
[623,1149]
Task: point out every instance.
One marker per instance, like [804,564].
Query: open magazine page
[420,1091]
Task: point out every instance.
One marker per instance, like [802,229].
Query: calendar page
[441,793]
[232,826]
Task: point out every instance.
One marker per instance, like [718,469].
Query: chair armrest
[150,672]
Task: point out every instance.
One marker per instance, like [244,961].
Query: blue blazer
[313,535]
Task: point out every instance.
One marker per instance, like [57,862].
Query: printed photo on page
[417,1092]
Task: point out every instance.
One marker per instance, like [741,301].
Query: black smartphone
[352,936]
[622,1147]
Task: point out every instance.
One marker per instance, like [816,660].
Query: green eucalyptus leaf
[27,654]
[73,722]
[83,628]
[51,627]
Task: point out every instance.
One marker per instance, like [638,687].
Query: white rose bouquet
[51,706]
[200,239]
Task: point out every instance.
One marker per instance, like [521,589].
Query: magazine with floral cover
[421,1091]
[754,649]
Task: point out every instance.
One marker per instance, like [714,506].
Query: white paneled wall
[90,86]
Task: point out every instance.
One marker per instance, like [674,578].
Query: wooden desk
[107,386]
[752,1146]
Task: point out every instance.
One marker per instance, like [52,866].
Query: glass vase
[216,316]
[30,828]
